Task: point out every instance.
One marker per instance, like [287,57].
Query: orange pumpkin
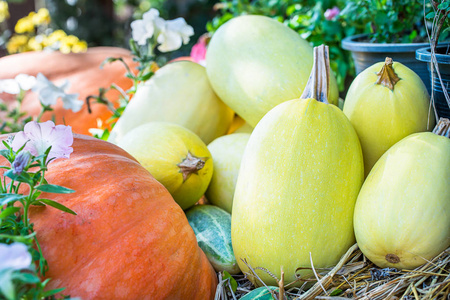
[129,239]
[85,77]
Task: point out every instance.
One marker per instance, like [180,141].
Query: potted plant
[437,57]
[391,28]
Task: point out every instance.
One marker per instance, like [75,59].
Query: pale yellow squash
[385,103]
[178,93]
[297,186]
[175,156]
[402,215]
[254,63]
[227,154]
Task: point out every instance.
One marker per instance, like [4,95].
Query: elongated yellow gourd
[402,215]
[255,63]
[178,93]
[227,154]
[299,179]
[385,103]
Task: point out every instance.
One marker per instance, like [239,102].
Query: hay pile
[355,277]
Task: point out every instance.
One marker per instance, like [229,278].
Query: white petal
[70,101]
[26,82]
[150,15]
[49,95]
[138,32]
[9,86]
[14,256]
[64,86]
[41,82]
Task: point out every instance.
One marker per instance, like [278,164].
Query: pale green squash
[227,154]
[178,93]
[383,112]
[402,215]
[299,179]
[254,63]
[175,156]
[212,228]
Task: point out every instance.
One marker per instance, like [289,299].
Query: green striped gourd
[212,227]
[261,293]
[300,176]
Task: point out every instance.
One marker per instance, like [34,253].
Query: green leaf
[444,5]
[430,15]
[7,287]
[8,212]
[232,281]
[52,292]
[25,277]
[57,206]
[7,198]
[53,188]
[336,292]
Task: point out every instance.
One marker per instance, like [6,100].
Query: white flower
[20,82]
[9,86]
[173,34]
[14,256]
[49,93]
[26,82]
[142,30]
[40,136]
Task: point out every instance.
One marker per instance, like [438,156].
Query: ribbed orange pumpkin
[85,77]
[130,240]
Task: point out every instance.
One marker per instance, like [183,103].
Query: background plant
[387,21]
[23,265]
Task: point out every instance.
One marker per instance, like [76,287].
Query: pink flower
[331,13]
[198,51]
[38,137]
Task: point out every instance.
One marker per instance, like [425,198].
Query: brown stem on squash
[387,76]
[443,127]
[191,165]
[281,285]
[318,82]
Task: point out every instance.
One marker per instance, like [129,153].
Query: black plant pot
[443,60]
[365,54]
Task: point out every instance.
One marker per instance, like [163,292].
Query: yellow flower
[17,43]
[41,17]
[54,37]
[35,43]
[4,12]
[24,25]
[80,46]
[69,40]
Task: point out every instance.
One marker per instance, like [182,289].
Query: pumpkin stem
[387,76]
[318,82]
[191,165]
[443,127]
